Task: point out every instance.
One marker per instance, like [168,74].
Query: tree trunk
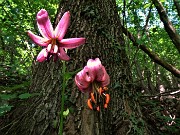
[99,23]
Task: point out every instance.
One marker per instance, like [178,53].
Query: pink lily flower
[92,77]
[52,40]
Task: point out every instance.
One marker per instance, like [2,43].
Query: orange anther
[89,104]
[105,88]
[100,90]
[105,105]
[98,108]
[107,98]
[92,97]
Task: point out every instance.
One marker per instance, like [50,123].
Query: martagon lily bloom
[94,80]
[52,40]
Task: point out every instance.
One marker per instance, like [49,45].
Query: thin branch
[164,94]
[124,11]
[175,37]
[33,20]
[177,4]
[151,54]
[147,19]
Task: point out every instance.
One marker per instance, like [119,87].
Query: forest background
[153,55]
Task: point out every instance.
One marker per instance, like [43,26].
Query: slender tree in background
[98,21]
[175,37]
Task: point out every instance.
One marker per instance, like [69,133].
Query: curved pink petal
[105,80]
[44,24]
[42,55]
[82,81]
[38,40]
[94,64]
[100,73]
[71,43]
[62,26]
[62,54]
[94,67]
[85,74]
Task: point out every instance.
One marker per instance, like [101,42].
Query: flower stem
[62,98]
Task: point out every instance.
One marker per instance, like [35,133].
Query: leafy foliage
[143,21]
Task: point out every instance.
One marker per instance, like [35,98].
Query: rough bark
[38,114]
[98,22]
[175,37]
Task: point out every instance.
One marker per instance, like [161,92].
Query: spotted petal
[44,24]
[71,43]
[62,26]
[94,67]
[38,40]
[85,74]
[100,73]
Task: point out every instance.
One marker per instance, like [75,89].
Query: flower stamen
[96,96]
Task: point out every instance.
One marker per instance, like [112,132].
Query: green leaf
[117,85]
[65,113]
[1,1]
[147,5]
[68,75]
[139,41]
[71,109]
[55,122]
[5,108]
[7,96]
[28,95]
[25,95]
